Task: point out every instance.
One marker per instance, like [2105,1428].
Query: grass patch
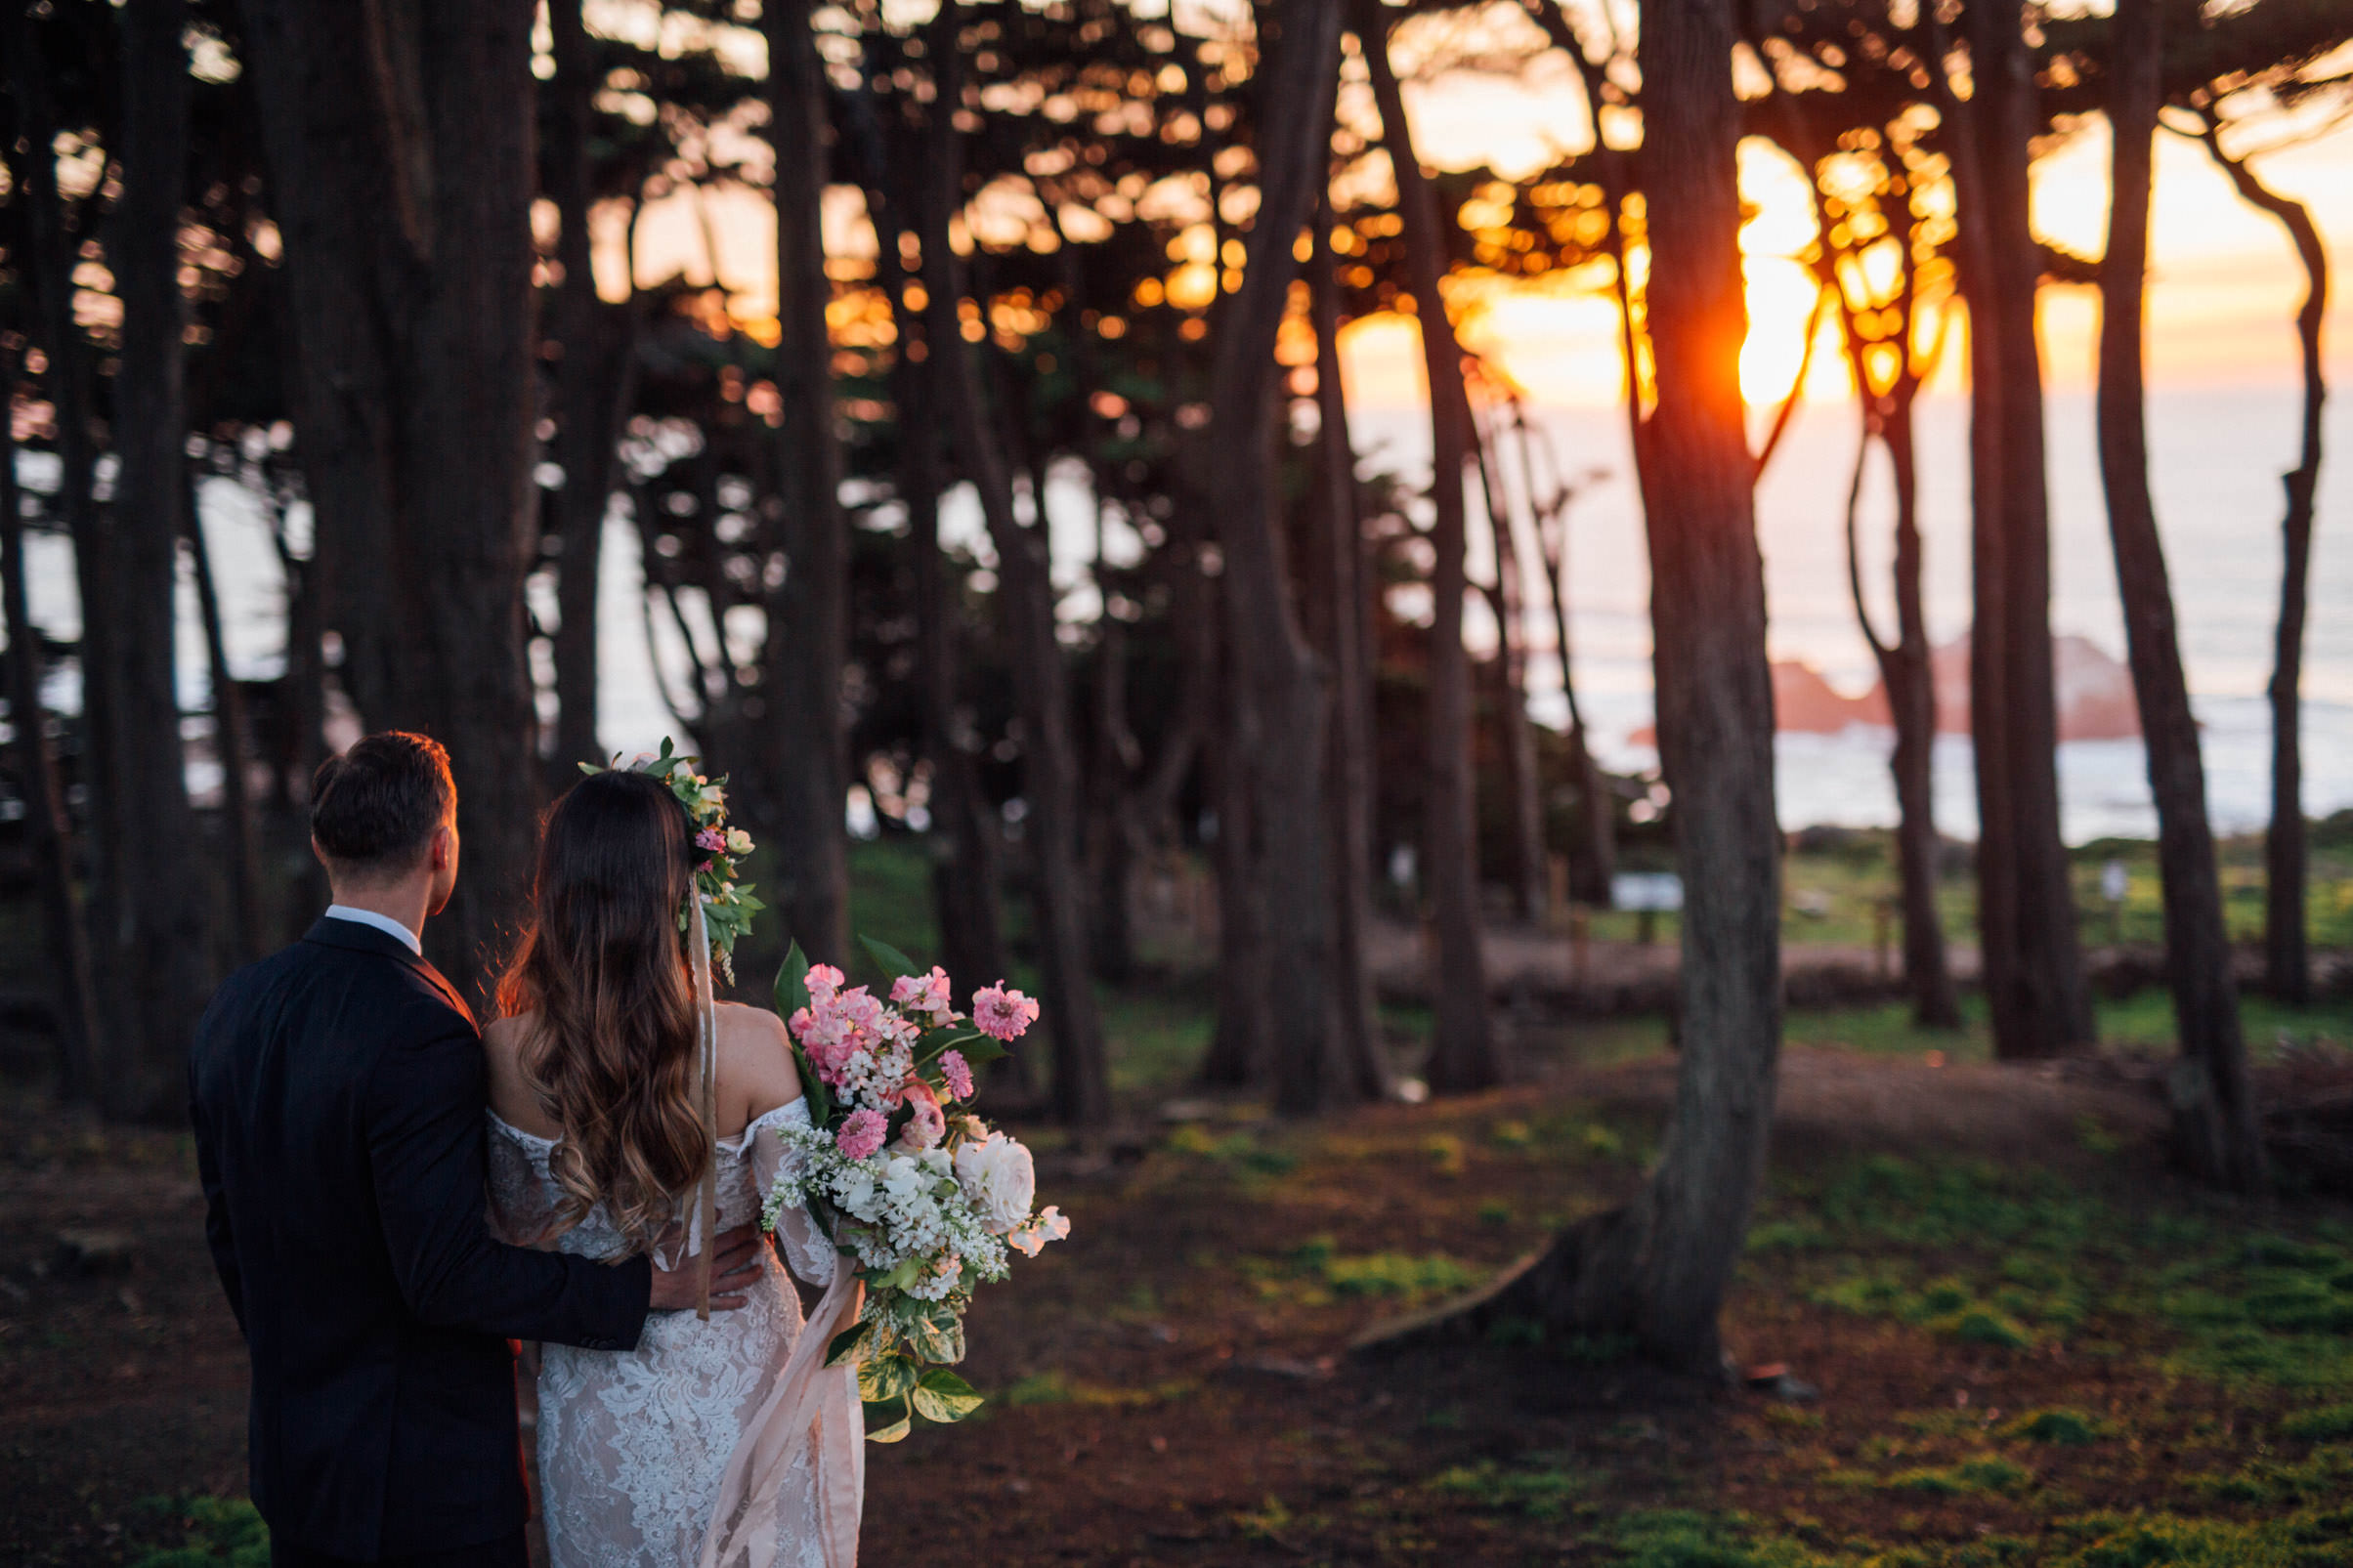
[1404,1275]
[209,1532]
[2057,1427]
[1677,1538]
[1054,1386]
[1541,1488]
[2327,1424]
[1987,1474]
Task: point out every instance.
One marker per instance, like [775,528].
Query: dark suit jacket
[337,1090]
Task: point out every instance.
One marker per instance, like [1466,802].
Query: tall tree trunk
[2287,959]
[1081,1084]
[2032,956]
[1337,588]
[1659,1268]
[306,683]
[1110,778]
[594,380]
[168,951]
[2214,1108]
[1280,705]
[808,630]
[229,733]
[345,207]
[963,837]
[468,458]
[1241,1045]
[114,1033]
[1911,693]
[1463,1056]
[1594,862]
[401,162]
[1525,807]
[963,866]
[49,834]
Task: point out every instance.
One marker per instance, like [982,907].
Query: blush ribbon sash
[809,1403]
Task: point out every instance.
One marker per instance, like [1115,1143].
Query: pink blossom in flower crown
[929,1123]
[1048,1224]
[928,995]
[1002,1014]
[860,1136]
[711,838]
[823,981]
[958,1074]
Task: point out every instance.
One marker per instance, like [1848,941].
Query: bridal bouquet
[924,1196]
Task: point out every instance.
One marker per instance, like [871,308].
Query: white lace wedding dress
[634,1445]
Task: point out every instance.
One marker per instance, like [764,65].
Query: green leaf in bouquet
[813,1090]
[938,1335]
[881,1377]
[940,1395]
[887,1421]
[890,960]
[897,1277]
[982,1051]
[848,1344]
[978,1049]
[793,982]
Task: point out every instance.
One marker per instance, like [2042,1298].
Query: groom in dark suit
[338,1100]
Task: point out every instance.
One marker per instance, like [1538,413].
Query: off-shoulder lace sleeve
[521,1202]
[805,1246]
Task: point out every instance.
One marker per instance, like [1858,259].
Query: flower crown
[727,903]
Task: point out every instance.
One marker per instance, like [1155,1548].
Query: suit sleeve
[425,1154]
[217,1234]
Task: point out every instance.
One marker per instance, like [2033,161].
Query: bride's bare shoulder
[755,1058]
[753,1032]
[511,1096]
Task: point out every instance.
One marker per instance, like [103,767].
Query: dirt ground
[1171,1386]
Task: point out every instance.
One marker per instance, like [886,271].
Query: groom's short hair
[373,808]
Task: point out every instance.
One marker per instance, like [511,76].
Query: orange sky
[2223,295]
[2223,292]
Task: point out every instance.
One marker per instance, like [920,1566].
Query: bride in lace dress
[596,1148]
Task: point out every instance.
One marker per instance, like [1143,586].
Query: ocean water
[2216,462]
[2217,458]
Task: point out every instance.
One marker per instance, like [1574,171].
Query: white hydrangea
[871,1077]
[897,1208]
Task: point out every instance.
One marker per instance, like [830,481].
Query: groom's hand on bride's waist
[733,1269]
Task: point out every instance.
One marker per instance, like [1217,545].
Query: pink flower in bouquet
[1002,1014]
[1050,1224]
[929,1124]
[863,1012]
[823,981]
[860,1136]
[958,1074]
[826,1034]
[926,995]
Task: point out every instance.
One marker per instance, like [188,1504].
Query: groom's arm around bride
[337,1092]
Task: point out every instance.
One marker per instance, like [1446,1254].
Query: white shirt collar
[382,923]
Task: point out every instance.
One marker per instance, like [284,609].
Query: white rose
[999,1180]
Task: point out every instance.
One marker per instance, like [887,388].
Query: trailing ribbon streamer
[707,1107]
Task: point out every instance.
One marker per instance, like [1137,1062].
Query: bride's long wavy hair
[611,1053]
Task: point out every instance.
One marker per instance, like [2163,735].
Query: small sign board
[1645,892]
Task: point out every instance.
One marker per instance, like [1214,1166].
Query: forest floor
[2029,1340]
[2032,1345]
